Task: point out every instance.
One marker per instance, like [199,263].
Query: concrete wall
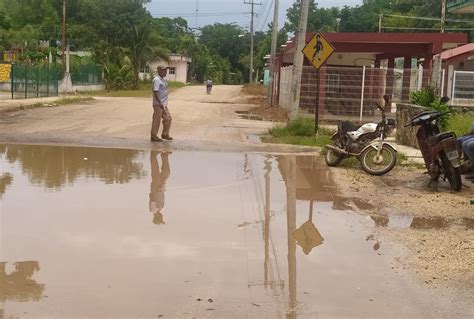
[88,88]
[286,75]
[407,135]
[5,86]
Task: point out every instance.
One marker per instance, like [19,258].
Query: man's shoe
[166,137]
[156,139]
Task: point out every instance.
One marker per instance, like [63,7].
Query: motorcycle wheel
[378,166]
[332,158]
[451,173]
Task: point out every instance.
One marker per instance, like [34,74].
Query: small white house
[178,68]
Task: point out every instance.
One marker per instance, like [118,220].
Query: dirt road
[199,121]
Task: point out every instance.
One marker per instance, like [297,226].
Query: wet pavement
[91,232]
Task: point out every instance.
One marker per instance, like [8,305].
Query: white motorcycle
[366,142]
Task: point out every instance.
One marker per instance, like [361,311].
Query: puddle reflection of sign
[318,50]
[308,237]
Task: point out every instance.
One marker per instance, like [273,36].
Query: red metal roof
[399,44]
[453,53]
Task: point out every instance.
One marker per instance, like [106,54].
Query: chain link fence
[351,92]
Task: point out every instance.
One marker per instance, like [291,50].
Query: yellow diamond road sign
[318,50]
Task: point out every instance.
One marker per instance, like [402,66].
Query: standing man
[160,107]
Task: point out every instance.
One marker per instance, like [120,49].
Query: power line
[427,18]
[413,28]
[262,26]
[207,14]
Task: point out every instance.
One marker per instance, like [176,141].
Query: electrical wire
[408,28]
[426,18]
[205,14]
[267,15]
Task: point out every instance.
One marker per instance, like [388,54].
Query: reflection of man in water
[157,187]
[318,48]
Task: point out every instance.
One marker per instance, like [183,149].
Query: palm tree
[144,48]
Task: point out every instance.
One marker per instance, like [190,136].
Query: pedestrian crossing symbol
[318,50]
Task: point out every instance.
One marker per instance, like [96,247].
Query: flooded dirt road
[102,233]
[200,121]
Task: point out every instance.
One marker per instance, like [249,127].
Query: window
[171,71]
[332,83]
[145,69]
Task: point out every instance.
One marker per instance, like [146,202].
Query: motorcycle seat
[442,136]
[348,126]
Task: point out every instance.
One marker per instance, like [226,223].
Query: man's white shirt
[160,85]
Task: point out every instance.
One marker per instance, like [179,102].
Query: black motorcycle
[439,149]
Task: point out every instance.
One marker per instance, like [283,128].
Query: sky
[230,11]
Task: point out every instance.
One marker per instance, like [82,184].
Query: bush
[460,123]
[427,98]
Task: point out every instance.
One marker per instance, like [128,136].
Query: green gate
[86,74]
[32,81]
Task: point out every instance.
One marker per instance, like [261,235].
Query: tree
[225,40]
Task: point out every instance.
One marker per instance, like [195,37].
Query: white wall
[180,63]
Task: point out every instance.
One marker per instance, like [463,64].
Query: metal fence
[31,81]
[86,74]
[351,92]
[462,92]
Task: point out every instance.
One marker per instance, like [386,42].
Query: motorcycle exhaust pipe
[337,150]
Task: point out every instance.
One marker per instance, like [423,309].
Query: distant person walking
[209,86]
[160,107]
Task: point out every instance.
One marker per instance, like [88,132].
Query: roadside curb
[40,103]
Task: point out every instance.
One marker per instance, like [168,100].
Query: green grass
[299,132]
[144,90]
[320,141]
[460,123]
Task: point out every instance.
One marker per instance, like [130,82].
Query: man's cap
[160,67]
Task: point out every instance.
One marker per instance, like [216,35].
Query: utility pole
[273,51]
[298,62]
[437,62]
[63,41]
[252,5]
[443,15]
[197,13]
[380,22]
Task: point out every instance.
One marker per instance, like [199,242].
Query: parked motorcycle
[376,157]
[439,149]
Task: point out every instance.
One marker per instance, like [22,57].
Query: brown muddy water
[110,233]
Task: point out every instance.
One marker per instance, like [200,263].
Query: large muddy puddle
[127,234]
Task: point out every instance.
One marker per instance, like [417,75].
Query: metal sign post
[316,111]
[318,51]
